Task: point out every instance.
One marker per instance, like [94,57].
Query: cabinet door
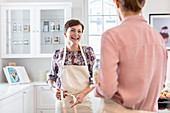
[51,27]
[16,31]
[12,104]
[45,98]
[28,100]
[33,30]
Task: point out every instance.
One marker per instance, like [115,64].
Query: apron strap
[64,56]
[83,55]
[63,103]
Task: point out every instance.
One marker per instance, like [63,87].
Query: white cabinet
[12,104]
[33,29]
[21,102]
[28,102]
[45,99]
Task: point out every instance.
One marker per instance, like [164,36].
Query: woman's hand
[57,93]
[79,99]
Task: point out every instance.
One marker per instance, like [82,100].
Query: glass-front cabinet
[33,29]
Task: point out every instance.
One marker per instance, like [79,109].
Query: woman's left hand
[79,99]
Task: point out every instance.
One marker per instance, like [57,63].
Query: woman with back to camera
[133,63]
[71,70]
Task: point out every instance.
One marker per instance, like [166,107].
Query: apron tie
[74,101]
[64,105]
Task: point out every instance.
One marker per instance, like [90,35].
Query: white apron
[74,79]
[110,106]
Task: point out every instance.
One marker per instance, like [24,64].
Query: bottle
[19,27]
[96,71]
[52,26]
[58,26]
[46,26]
[14,27]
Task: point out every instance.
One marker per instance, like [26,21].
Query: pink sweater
[133,65]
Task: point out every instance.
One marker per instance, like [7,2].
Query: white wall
[34,67]
[156,6]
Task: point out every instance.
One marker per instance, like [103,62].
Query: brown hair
[133,5]
[72,22]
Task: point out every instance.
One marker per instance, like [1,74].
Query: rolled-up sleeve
[108,77]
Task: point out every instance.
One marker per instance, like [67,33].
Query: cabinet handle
[33,30]
[44,87]
[41,111]
[24,92]
[37,30]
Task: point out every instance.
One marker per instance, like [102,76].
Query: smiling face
[74,34]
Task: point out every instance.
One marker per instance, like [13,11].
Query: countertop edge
[8,90]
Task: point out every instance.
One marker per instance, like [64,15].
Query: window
[102,15]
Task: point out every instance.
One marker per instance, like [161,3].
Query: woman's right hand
[57,93]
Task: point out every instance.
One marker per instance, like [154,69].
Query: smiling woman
[73,36]
[71,70]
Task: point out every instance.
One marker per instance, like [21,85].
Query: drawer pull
[45,88]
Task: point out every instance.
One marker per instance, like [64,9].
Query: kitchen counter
[7,90]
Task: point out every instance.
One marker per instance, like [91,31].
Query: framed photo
[47,40]
[161,22]
[56,40]
[16,74]
[26,28]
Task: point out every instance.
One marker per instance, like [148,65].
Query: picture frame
[161,22]
[47,40]
[16,74]
[56,40]
[26,28]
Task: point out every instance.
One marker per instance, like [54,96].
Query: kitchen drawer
[45,98]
